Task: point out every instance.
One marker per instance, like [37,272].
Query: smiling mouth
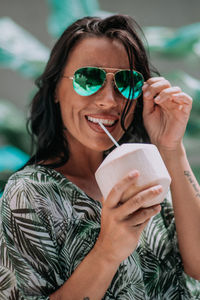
[105,122]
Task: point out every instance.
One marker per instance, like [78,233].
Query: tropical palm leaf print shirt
[49,225]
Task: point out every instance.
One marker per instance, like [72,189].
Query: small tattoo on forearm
[195,187]
[86,298]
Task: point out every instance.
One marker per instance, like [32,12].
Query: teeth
[103,121]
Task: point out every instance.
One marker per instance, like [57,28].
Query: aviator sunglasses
[88,80]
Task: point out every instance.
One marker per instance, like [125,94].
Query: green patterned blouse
[48,227]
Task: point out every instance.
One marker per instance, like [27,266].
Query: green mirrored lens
[123,81]
[88,80]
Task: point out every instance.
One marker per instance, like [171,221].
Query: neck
[83,162]
[80,170]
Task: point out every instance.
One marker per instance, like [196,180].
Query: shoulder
[37,175]
[38,179]
[47,195]
[38,188]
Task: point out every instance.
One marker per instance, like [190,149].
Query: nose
[106,96]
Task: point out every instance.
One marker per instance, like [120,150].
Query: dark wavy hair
[45,123]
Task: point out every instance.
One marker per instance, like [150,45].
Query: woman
[66,242]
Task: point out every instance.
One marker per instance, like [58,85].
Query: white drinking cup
[128,157]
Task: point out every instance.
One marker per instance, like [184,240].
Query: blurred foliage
[65,12]
[11,159]
[22,52]
[179,42]
[13,126]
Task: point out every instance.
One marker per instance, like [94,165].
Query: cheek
[129,119]
[73,110]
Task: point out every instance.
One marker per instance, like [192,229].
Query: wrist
[104,256]
[172,155]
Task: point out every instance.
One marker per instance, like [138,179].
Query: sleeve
[188,284]
[29,226]
[7,277]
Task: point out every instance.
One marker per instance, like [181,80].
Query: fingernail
[147,94]
[157,99]
[132,174]
[145,86]
[157,208]
[157,188]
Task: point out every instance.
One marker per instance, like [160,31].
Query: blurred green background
[30,28]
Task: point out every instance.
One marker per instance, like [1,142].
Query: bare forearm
[186,201]
[90,280]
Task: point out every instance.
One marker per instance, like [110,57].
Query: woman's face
[80,114]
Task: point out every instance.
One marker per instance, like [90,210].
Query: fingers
[183,101]
[175,99]
[157,90]
[154,86]
[167,94]
[151,89]
[143,215]
[137,201]
[117,191]
[139,228]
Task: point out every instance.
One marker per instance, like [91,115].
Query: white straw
[108,133]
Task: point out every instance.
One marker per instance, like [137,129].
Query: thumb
[102,200]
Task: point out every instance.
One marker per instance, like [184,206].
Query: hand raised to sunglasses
[166,112]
